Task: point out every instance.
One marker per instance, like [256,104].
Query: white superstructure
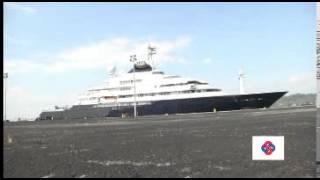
[151,85]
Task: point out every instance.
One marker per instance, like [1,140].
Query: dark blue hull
[191,105]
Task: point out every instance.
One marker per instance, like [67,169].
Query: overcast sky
[55,51]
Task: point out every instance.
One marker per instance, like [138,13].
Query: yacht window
[164,93]
[169,77]
[129,81]
[125,88]
[168,93]
[157,72]
[195,82]
[211,90]
[181,84]
[124,96]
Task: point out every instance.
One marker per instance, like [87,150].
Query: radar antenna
[113,71]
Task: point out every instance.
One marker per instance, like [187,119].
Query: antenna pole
[133,59]
[151,51]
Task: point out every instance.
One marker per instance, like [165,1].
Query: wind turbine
[242,75]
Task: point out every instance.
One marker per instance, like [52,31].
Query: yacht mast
[151,51]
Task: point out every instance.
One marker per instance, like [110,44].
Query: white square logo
[267,148]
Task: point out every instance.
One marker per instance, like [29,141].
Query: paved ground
[318,143]
[194,145]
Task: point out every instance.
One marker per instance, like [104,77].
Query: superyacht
[145,90]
